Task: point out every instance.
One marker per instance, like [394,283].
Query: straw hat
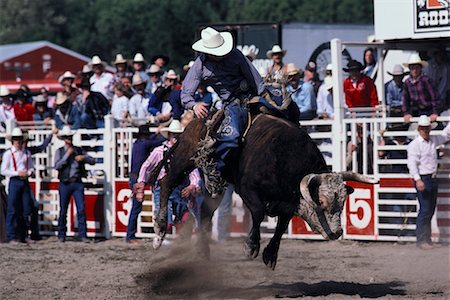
[153,69]
[86,69]
[275,49]
[4,91]
[66,75]
[120,59]
[16,132]
[291,69]
[415,59]
[174,127]
[214,42]
[60,98]
[171,74]
[138,58]
[329,67]
[39,99]
[249,52]
[397,70]
[65,131]
[137,79]
[424,121]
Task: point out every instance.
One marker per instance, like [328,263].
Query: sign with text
[360,207]
[431,15]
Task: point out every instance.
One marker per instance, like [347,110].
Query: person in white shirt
[101,81]
[119,108]
[137,107]
[18,166]
[325,109]
[422,165]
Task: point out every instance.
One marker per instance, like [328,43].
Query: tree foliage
[108,27]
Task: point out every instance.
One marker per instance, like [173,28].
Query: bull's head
[322,201]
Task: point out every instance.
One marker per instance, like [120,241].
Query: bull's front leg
[270,253]
[160,225]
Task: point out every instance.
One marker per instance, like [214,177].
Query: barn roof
[12,50]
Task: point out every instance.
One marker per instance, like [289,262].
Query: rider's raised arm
[251,74]
[191,83]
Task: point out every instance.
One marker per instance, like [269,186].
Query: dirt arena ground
[308,270]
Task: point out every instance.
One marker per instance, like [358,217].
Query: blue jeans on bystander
[18,208]
[427,201]
[66,190]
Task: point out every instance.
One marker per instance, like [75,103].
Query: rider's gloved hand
[201,110]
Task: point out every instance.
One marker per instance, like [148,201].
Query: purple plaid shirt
[419,95]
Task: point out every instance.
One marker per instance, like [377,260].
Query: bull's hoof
[157,242]
[270,257]
[251,250]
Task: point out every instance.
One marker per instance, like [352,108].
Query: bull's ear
[349,189]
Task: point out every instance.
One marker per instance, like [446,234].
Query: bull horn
[347,175]
[304,190]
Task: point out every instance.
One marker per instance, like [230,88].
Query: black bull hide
[274,157]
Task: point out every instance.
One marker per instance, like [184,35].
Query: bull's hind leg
[270,253]
[252,243]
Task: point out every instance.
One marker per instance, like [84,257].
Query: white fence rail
[385,211]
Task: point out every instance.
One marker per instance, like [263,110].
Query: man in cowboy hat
[42,112]
[121,68]
[66,113]
[233,78]
[422,165]
[154,72]
[301,92]
[419,93]
[359,89]
[137,107]
[139,68]
[66,80]
[394,90]
[6,107]
[163,103]
[18,166]
[101,81]
[70,161]
[146,141]
[180,194]
[93,106]
[276,54]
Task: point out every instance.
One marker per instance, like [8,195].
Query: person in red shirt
[360,91]
[22,110]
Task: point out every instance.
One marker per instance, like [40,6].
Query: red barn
[37,64]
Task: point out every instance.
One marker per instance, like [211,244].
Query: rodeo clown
[18,166]
[235,80]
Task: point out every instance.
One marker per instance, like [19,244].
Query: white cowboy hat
[415,59]
[86,69]
[328,82]
[275,49]
[138,58]
[119,59]
[171,74]
[16,132]
[137,79]
[65,131]
[329,67]
[424,121]
[153,69]
[66,75]
[291,69]
[4,91]
[249,52]
[174,127]
[97,61]
[39,99]
[214,42]
[61,98]
[397,70]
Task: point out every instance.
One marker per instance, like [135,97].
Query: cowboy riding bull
[275,166]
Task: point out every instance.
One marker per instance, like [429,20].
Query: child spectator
[119,107]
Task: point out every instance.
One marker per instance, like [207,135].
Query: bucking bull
[278,171]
